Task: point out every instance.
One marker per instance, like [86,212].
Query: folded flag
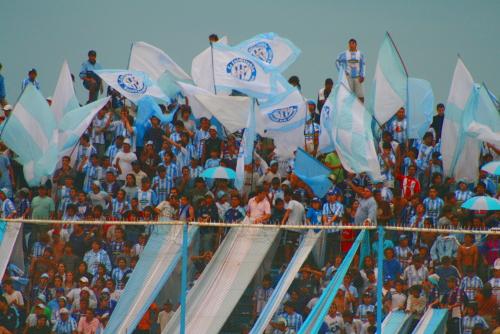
[483,120]
[64,98]
[420,107]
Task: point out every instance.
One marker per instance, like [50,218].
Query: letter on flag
[31,132]
[460,152]
[352,134]
[64,98]
[272,49]
[390,83]
[133,85]
[239,71]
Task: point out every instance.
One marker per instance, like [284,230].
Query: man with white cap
[271,173]
[66,324]
[74,295]
[123,160]
[8,207]
[7,110]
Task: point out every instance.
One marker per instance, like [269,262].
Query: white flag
[64,98]
[153,61]
[271,49]
[281,112]
[132,84]
[239,71]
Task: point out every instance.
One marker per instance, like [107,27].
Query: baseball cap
[40,305]
[44,275]
[126,141]
[149,142]
[315,199]
[213,127]
[41,297]
[64,310]
[496,265]
[434,279]
[331,192]
[7,107]
[84,279]
[273,162]
[311,101]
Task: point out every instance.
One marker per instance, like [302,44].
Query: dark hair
[353,40]
[329,81]
[92,53]
[439,105]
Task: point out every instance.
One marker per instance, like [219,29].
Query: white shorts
[356,86]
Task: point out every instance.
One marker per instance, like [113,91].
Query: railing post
[184,276]
[380,276]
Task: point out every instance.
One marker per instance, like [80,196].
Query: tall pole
[184,276]
[380,277]
[213,73]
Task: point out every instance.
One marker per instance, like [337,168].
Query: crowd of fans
[75,273]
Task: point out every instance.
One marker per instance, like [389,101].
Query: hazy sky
[429,34]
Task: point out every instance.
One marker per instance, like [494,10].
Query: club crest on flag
[263,51]
[242,69]
[131,83]
[283,115]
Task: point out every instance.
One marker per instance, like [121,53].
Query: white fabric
[220,286]
[64,97]
[201,70]
[7,244]
[153,61]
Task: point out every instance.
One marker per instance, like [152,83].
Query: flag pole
[213,73]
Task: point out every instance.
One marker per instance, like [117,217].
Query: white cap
[64,310]
[41,305]
[496,265]
[7,107]
[213,127]
[84,279]
[126,141]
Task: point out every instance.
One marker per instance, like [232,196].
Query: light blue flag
[352,134]
[482,121]
[147,108]
[312,172]
[433,321]
[8,236]
[31,132]
[74,123]
[420,107]
[271,49]
[390,83]
[64,98]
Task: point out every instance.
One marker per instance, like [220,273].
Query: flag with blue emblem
[133,85]
[271,49]
[483,121]
[282,112]
[390,83]
[312,172]
[352,134]
[237,70]
[459,151]
[31,132]
[147,108]
[245,154]
[64,99]
[74,123]
[420,107]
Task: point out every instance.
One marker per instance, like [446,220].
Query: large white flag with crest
[282,112]
[242,72]
[132,84]
[271,49]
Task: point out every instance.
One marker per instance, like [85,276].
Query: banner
[312,172]
[8,236]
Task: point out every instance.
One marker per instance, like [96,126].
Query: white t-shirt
[15,296]
[163,318]
[335,323]
[297,213]
[125,163]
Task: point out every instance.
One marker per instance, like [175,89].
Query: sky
[428,33]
